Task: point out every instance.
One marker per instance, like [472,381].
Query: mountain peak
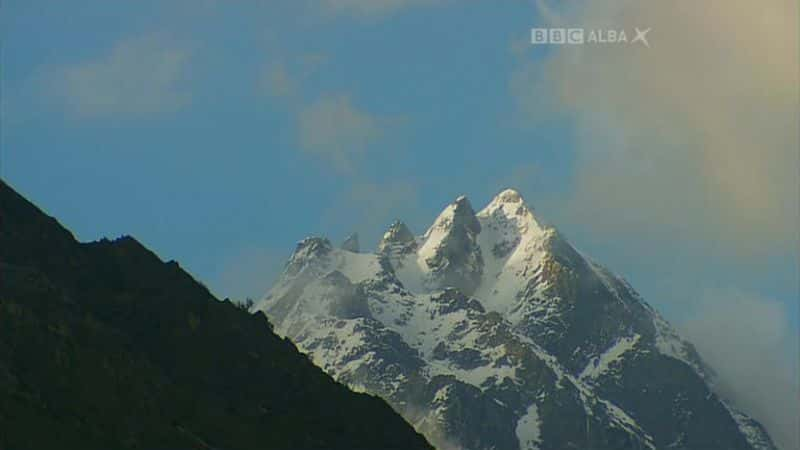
[508,199]
[508,196]
[313,244]
[351,243]
[509,205]
[399,231]
[451,250]
[492,315]
[397,237]
[307,250]
[458,214]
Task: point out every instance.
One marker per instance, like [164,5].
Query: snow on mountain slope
[527,429]
[490,331]
[602,363]
[513,245]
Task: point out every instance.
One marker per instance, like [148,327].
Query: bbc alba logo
[579,36]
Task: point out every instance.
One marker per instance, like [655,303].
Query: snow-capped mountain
[491,331]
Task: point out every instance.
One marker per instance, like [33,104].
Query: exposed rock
[351,243]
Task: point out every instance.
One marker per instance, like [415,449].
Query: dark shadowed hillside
[103,345]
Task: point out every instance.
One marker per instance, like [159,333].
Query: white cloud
[331,128]
[689,144]
[694,137]
[139,76]
[744,338]
[334,129]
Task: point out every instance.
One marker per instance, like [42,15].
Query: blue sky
[221,133]
[224,169]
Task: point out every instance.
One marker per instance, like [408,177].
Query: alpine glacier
[491,331]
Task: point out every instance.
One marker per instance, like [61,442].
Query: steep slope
[491,331]
[103,345]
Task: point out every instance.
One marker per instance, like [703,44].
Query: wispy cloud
[331,127]
[690,143]
[281,78]
[695,136]
[138,76]
[276,81]
[371,8]
[336,130]
[744,337]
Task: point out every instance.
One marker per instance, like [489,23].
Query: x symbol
[641,35]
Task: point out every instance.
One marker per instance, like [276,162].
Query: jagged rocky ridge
[105,346]
[491,331]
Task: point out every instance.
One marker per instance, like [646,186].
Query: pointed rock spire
[456,215]
[351,243]
[451,248]
[508,199]
[509,205]
[308,250]
[398,236]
